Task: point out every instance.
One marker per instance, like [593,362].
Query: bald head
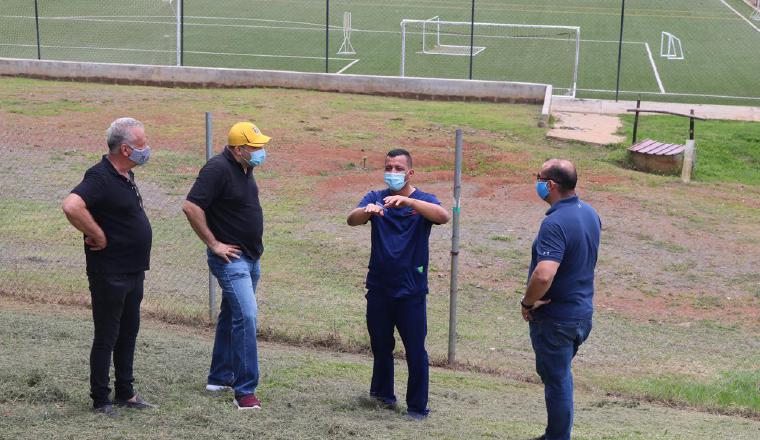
[562,172]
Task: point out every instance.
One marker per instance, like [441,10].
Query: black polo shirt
[230,198]
[115,203]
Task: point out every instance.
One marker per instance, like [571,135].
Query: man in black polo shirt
[106,206]
[223,209]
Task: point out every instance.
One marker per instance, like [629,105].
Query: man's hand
[226,251]
[397,201]
[526,312]
[96,243]
[373,209]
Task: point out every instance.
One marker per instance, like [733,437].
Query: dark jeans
[116,314]
[555,344]
[409,316]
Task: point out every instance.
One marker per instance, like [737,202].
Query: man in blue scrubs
[402,217]
[558,302]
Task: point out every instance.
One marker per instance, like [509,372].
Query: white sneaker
[211,387]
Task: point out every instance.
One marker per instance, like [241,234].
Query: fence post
[620,51]
[455,249]
[327,36]
[181,39]
[37,28]
[211,288]
[472,35]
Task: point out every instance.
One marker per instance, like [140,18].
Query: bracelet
[525,306]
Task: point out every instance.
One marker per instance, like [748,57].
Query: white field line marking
[740,15]
[673,94]
[349,65]
[654,67]
[126,49]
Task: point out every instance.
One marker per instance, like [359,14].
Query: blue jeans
[555,344]
[409,316]
[235,360]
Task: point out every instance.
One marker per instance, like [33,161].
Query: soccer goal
[500,52]
[432,45]
[670,47]
[346,48]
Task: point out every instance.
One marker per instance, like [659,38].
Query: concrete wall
[171,76]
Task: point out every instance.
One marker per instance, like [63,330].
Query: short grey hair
[120,132]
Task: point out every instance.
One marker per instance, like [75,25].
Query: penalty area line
[347,66]
[654,67]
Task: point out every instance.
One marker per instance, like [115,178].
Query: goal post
[500,52]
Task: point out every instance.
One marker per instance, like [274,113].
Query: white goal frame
[438,22]
[670,46]
[444,49]
[346,48]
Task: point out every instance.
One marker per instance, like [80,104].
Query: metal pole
[620,51]
[181,6]
[211,287]
[455,249]
[37,26]
[327,37]
[403,46]
[179,32]
[472,35]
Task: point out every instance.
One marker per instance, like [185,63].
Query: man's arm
[197,218]
[431,211]
[360,216]
[80,217]
[538,285]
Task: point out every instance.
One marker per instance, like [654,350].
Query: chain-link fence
[681,50]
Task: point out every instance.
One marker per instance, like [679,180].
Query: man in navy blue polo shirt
[108,209]
[224,211]
[558,301]
[402,217]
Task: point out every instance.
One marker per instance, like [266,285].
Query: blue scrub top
[398,263]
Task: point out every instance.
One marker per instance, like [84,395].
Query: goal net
[670,46]
[498,51]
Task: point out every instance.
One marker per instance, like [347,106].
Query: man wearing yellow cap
[223,209]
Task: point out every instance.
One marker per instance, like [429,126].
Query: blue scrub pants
[409,316]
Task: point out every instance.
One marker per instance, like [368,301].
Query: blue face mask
[395,181]
[257,157]
[542,189]
[140,157]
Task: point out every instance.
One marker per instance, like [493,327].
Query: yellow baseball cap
[245,133]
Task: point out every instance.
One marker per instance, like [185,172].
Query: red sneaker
[247,402]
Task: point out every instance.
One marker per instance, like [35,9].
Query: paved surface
[595,121]
[607,107]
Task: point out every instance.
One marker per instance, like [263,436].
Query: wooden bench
[660,157]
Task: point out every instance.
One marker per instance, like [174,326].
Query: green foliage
[729,389]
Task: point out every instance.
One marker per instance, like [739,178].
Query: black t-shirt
[230,198]
[115,203]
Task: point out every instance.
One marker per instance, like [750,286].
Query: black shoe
[137,403]
[107,410]
[543,437]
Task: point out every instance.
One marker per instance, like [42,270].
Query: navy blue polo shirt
[569,235]
[116,206]
[229,197]
[398,263]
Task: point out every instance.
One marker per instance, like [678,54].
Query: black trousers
[116,302]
